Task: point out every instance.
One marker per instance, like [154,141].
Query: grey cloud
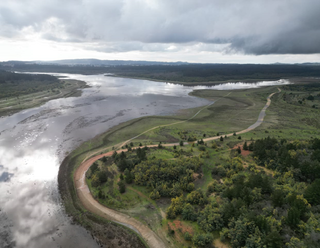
[251,27]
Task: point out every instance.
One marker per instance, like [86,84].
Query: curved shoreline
[87,200]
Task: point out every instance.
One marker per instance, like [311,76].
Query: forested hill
[15,84]
[186,73]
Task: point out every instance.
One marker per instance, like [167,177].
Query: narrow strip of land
[152,239]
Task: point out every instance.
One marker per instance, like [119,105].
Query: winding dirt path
[152,239]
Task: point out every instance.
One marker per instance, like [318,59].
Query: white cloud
[181,27]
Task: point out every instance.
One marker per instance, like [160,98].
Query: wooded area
[17,84]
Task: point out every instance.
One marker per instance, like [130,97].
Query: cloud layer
[230,26]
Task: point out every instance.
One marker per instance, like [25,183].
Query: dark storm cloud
[251,27]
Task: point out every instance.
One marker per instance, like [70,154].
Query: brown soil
[180,229]
[243,152]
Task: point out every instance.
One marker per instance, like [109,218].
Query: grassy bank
[65,88]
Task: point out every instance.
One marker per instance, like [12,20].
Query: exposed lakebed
[34,142]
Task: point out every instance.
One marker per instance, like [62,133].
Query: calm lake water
[33,143]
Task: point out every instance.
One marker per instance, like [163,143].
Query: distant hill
[94,62]
[180,72]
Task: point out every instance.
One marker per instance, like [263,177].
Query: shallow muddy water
[34,142]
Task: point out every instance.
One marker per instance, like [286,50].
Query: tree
[295,243]
[181,143]
[94,167]
[122,164]
[293,217]
[122,187]
[131,144]
[234,134]
[239,137]
[170,231]
[202,240]
[114,155]
[221,138]
[312,193]
[174,147]
[128,176]
[245,146]
[277,198]
[187,236]
[121,176]
[102,176]
[239,150]
[154,195]
[251,146]
[188,213]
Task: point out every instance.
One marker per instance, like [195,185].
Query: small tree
[128,176]
[181,143]
[121,177]
[245,146]
[239,150]
[170,231]
[221,138]
[251,146]
[114,154]
[187,236]
[122,187]
[234,134]
[174,147]
[104,159]
[239,137]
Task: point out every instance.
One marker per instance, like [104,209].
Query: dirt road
[152,239]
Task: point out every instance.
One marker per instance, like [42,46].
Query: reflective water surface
[34,142]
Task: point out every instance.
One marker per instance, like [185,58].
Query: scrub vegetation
[21,91]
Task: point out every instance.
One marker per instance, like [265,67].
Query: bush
[122,187]
[187,236]
[201,148]
[202,240]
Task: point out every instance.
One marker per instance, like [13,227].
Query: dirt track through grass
[152,239]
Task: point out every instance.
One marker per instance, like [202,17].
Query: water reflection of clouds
[241,85]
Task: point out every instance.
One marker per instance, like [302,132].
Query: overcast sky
[215,31]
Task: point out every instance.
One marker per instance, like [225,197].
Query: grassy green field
[68,88]
[232,111]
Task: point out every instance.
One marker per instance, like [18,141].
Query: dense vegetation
[270,199]
[17,84]
[253,209]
